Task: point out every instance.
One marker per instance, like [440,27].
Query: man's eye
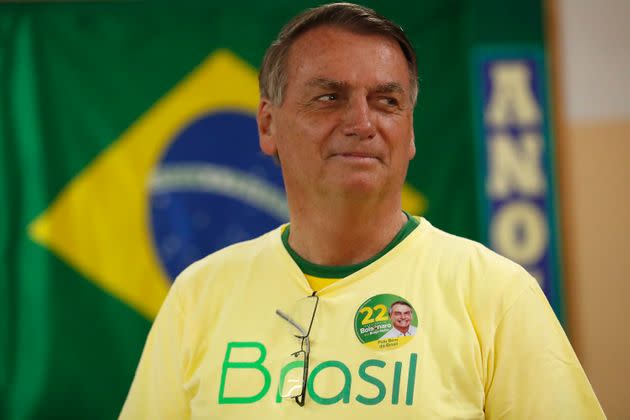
[389,101]
[329,97]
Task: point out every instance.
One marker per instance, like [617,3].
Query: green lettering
[411,378]
[343,394]
[396,384]
[374,381]
[283,374]
[256,365]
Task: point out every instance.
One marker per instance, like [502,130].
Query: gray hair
[272,78]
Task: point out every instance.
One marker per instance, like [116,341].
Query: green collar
[337,272]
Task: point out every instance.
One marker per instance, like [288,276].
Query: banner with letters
[515,154]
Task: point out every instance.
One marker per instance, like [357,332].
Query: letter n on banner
[516,184]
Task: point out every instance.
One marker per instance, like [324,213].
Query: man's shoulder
[472,257]
[450,245]
[485,283]
[235,257]
[392,333]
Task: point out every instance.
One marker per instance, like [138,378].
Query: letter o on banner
[519,232]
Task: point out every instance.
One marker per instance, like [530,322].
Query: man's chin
[358,183]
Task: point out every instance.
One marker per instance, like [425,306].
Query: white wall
[595,49]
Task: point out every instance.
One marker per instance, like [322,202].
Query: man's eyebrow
[337,85]
[391,87]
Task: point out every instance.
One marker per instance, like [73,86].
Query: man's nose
[358,119]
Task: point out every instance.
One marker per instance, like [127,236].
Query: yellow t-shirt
[485,341]
[318,283]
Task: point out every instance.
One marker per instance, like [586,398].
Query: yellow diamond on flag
[98,223]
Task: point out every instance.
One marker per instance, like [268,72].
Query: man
[287,325]
[401,314]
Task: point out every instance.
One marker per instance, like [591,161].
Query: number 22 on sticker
[368,311]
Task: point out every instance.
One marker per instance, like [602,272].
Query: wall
[593,67]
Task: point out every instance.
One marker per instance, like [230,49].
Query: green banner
[121,123]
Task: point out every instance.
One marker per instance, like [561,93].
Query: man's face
[345,125]
[401,317]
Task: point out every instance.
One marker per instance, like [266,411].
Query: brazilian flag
[128,149]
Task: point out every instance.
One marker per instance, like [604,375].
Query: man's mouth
[356,156]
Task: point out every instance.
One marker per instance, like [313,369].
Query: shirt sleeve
[157,391]
[535,373]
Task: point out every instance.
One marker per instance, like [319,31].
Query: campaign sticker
[385,322]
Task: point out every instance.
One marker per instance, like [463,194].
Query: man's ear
[412,145]
[264,118]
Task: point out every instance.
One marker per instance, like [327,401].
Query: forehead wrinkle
[401,304]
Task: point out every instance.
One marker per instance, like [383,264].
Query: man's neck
[343,236]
